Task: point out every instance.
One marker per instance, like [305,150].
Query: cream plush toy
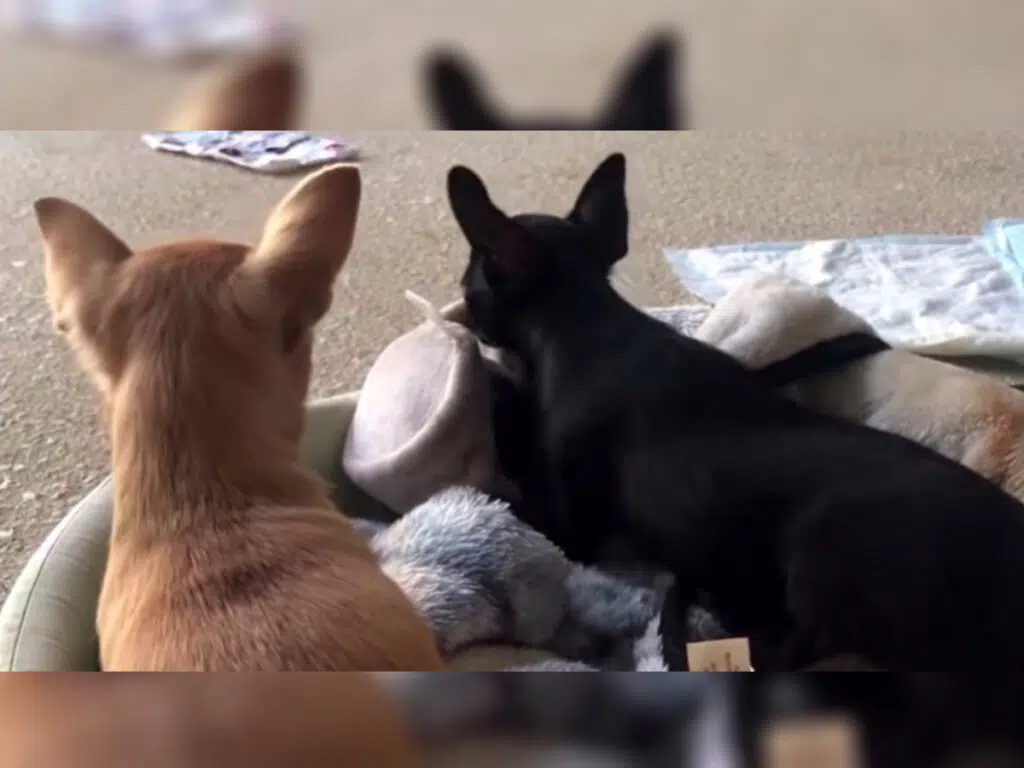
[423,422]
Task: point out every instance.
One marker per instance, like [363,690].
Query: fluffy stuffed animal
[478,574]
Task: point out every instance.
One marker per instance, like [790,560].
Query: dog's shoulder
[213,599]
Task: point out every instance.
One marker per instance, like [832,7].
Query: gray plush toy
[480,575]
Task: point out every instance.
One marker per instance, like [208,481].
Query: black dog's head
[533,263]
[645,98]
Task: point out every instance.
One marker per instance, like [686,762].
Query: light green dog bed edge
[47,622]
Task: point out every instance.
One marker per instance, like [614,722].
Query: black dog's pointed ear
[455,96]
[486,227]
[601,208]
[645,97]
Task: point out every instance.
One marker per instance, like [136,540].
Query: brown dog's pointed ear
[645,97]
[261,92]
[306,241]
[507,246]
[81,254]
[455,96]
[71,233]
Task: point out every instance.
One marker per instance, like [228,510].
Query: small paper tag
[816,742]
[732,655]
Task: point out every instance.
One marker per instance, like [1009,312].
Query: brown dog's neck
[182,459]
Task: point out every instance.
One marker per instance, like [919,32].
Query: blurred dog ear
[455,96]
[261,92]
[646,98]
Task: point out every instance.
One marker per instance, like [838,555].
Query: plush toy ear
[645,97]
[81,257]
[306,241]
[601,208]
[455,96]
[258,93]
[507,245]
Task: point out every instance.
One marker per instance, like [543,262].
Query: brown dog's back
[295,589]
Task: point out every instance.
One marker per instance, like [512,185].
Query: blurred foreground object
[713,721]
[814,742]
[200,721]
[164,29]
[259,92]
[644,98]
[569,717]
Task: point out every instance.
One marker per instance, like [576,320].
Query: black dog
[644,99]
[814,536]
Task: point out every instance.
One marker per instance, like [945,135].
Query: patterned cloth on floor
[277,152]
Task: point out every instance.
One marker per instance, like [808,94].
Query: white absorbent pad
[953,296]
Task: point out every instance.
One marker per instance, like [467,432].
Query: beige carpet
[684,189]
[928,64]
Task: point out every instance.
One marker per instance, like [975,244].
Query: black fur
[514,423]
[814,536]
[822,357]
[645,98]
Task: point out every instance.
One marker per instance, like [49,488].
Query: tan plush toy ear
[306,241]
[258,93]
[81,255]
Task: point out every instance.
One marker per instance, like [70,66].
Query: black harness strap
[823,357]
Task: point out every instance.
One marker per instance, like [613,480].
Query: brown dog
[199,721]
[225,554]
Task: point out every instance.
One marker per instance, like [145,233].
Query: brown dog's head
[201,333]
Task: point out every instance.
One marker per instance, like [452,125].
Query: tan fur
[261,92]
[200,721]
[968,416]
[225,553]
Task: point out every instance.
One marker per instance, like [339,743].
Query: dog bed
[47,622]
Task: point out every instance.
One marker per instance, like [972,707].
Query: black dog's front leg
[578,537]
[580,496]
